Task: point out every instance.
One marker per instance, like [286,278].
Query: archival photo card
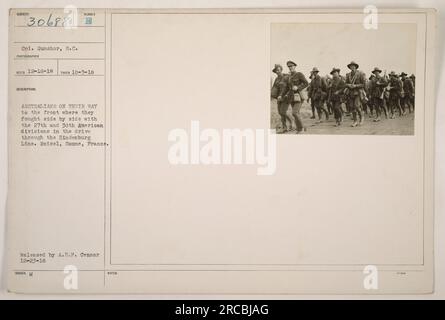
[155,151]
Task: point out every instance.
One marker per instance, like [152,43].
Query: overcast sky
[391,47]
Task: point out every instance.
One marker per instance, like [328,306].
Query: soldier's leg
[281,112]
[288,117]
[348,105]
[410,104]
[359,106]
[383,106]
[399,106]
[296,106]
[351,107]
[365,108]
[378,106]
[335,112]
[313,109]
[316,104]
[378,111]
[324,109]
[285,110]
[402,104]
[319,106]
[406,103]
[391,106]
[338,112]
[353,111]
[330,107]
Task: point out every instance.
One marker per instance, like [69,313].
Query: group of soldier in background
[379,95]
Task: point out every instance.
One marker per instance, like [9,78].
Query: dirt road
[398,126]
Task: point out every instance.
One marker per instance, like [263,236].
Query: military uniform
[329,105]
[367,104]
[377,88]
[317,93]
[336,89]
[280,87]
[296,83]
[355,84]
[408,89]
[395,92]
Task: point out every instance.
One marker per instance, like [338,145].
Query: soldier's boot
[288,127]
[392,113]
[302,130]
[313,112]
[377,117]
[362,118]
[283,124]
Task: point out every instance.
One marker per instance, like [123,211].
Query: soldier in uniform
[297,83]
[336,89]
[278,92]
[413,79]
[317,94]
[408,89]
[329,106]
[377,88]
[355,85]
[395,92]
[367,105]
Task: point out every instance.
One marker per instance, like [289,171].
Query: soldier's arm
[361,83]
[284,88]
[348,81]
[324,85]
[382,83]
[303,82]
[340,87]
[275,83]
[276,86]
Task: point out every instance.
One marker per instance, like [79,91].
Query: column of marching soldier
[378,95]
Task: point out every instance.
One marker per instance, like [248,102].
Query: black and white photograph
[343,79]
